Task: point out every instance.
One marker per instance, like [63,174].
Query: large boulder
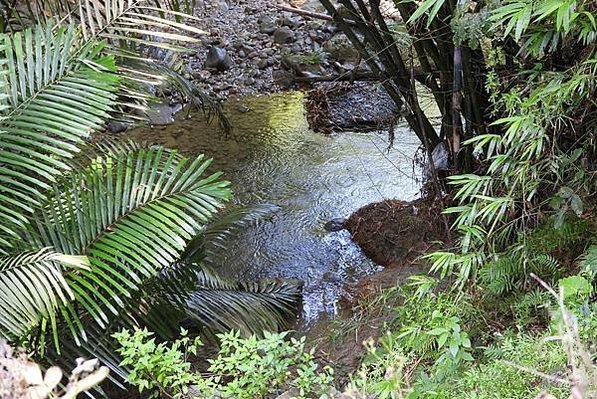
[361,106]
[341,49]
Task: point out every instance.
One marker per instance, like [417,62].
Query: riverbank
[394,234]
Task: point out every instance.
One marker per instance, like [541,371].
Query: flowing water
[273,158]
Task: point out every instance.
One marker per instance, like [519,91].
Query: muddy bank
[395,234]
[390,232]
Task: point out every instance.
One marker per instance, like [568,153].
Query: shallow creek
[272,157]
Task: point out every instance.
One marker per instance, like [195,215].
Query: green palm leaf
[253,307]
[33,288]
[55,93]
[132,215]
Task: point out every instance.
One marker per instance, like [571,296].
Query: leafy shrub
[533,253]
[382,373]
[430,323]
[244,368]
[497,378]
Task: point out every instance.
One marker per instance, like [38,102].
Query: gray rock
[364,106]
[262,63]
[290,394]
[162,113]
[341,49]
[223,6]
[331,277]
[266,25]
[284,35]
[289,21]
[283,78]
[242,108]
[218,59]
[117,126]
[335,225]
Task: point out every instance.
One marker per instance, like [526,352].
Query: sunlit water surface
[273,158]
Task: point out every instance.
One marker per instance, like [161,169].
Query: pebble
[218,59]
[283,35]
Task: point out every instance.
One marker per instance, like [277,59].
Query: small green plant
[244,368]
[384,369]
[255,367]
[430,322]
[159,368]
[497,376]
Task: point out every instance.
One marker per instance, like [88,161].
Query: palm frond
[33,288]
[207,246]
[252,307]
[53,95]
[132,215]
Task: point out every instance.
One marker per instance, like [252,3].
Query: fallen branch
[365,76]
[349,76]
[305,13]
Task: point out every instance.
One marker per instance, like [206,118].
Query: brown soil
[394,234]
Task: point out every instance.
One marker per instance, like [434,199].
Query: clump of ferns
[536,252]
[511,272]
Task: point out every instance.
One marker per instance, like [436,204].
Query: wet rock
[162,113]
[301,64]
[117,127]
[335,225]
[360,106]
[242,108]
[331,277]
[284,35]
[218,59]
[341,49]
[223,6]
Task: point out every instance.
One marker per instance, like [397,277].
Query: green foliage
[426,339]
[157,367]
[244,368]
[530,161]
[531,308]
[510,272]
[430,322]
[90,241]
[497,378]
[382,372]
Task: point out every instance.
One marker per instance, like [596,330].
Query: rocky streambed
[254,47]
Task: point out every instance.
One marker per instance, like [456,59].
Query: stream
[272,157]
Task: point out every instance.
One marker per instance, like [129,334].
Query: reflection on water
[273,158]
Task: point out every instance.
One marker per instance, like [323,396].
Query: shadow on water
[272,157]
